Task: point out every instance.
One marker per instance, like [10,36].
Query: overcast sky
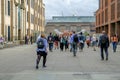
[70,7]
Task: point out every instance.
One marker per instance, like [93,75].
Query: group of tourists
[73,42]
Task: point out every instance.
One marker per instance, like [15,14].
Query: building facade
[71,23]
[21,17]
[108,17]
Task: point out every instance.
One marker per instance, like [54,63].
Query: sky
[70,7]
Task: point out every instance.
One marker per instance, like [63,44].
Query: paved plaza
[18,63]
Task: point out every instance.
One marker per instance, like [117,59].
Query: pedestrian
[1,41]
[31,39]
[104,45]
[94,42]
[81,41]
[88,40]
[75,41]
[114,40]
[70,42]
[56,41]
[62,43]
[66,43]
[50,40]
[26,39]
[41,50]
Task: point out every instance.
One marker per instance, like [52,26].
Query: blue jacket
[71,38]
[45,43]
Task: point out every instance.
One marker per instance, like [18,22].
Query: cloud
[70,7]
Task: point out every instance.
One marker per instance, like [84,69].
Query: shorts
[42,53]
[94,43]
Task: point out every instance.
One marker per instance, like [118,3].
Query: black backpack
[50,38]
[75,38]
[103,39]
[40,44]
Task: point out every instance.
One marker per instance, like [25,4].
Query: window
[22,1]
[32,4]
[106,15]
[106,3]
[118,8]
[112,0]
[9,8]
[32,18]
[27,2]
[113,11]
[27,16]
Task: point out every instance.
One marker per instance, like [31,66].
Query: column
[11,20]
[16,23]
[2,17]
[29,17]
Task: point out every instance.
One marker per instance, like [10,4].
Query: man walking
[75,41]
[50,41]
[81,41]
[41,50]
[104,44]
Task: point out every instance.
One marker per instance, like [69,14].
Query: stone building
[108,17]
[21,17]
[71,23]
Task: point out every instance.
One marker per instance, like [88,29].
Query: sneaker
[102,59]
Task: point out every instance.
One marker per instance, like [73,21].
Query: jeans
[71,47]
[106,52]
[50,46]
[74,48]
[114,46]
[81,46]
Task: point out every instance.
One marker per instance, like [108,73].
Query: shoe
[37,67]
[94,50]
[102,59]
[44,66]
[106,59]
[74,55]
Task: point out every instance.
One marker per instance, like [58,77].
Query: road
[18,63]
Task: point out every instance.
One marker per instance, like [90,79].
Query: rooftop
[72,19]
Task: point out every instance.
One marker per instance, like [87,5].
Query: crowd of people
[73,42]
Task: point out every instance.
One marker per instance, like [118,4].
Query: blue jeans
[50,46]
[102,52]
[74,48]
[71,47]
[114,46]
[81,46]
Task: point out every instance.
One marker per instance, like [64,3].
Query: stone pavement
[18,63]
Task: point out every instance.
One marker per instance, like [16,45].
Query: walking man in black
[104,44]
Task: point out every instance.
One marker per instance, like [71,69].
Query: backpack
[63,40]
[103,39]
[50,39]
[40,44]
[75,38]
[81,38]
